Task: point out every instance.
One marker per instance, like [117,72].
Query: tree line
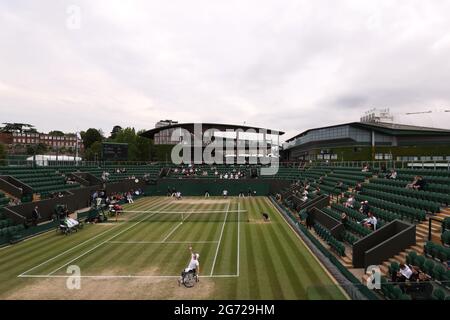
[139,148]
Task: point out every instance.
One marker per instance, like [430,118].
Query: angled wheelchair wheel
[189,280]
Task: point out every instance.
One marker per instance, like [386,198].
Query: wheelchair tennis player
[190,274]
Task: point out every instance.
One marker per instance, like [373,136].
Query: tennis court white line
[121,276]
[220,240]
[78,245]
[176,227]
[238,239]
[160,242]
[179,212]
[117,234]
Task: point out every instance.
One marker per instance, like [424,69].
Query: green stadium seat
[428,267]
[405,297]
[395,294]
[445,237]
[439,272]
[411,257]
[438,294]
[420,261]
[394,267]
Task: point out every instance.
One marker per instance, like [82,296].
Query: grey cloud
[288,65]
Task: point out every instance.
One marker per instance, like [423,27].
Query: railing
[71,163]
[387,164]
[377,164]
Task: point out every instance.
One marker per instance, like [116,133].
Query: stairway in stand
[421,239]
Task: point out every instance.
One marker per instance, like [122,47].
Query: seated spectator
[365,208]
[420,184]
[358,188]
[413,183]
[405,273]
[370,222]
[365,168]
[392,175]
[344,218]
[350,203]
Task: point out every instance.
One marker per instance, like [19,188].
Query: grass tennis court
[141,255]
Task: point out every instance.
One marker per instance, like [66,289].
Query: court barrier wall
[36,230]
[320,202]
[80,178]
[14,186]
[75,200]
[384,243]
[93,180]
[352,286]
[7,186]
[336,227]
[198,187]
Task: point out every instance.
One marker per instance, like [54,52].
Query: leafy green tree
[115,131]
[128,135]
[31,150]
[56,133]
[94,152]
[139,148]
[90,137]
[41,148]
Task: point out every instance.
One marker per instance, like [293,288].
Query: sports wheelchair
[189,278]
[66,229]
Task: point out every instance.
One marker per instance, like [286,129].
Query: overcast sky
[288,65]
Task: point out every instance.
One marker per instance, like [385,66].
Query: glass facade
[165,136]
[360,136]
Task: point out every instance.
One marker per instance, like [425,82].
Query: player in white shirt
[194,266]
[71,222]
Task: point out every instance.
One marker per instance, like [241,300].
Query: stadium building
[369,141]
[251,144]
